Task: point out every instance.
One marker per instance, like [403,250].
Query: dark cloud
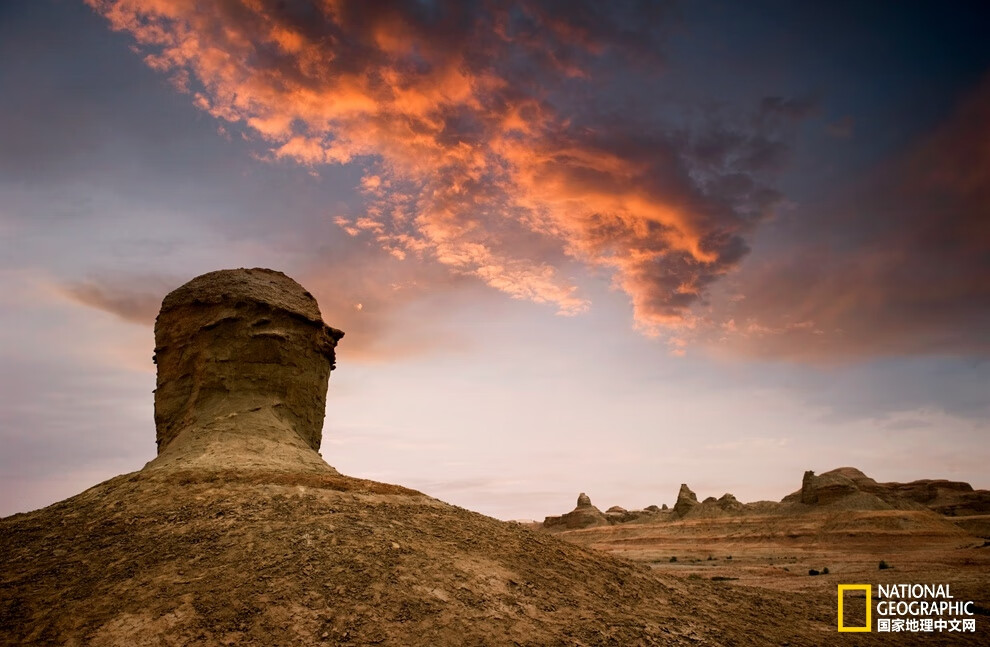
[901,265]
[774,110]
[134,299]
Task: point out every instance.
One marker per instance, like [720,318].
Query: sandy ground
[775,553]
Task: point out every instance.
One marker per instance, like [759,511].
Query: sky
[574,246]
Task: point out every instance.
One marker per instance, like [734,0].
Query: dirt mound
[173,557]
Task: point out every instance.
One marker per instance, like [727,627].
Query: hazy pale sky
[574,246]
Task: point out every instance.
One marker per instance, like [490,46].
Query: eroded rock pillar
[233,343]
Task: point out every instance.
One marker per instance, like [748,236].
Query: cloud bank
[525,146]
[486,137]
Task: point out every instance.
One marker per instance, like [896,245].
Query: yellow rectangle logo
[868,589]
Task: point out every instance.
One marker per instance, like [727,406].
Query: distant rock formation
[829,487]
[951,498]
[585,515]
[848,487]
[729,503]
[845,488]
[686,501]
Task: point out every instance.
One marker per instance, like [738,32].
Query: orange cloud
[472,162]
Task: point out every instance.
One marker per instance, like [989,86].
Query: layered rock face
[951,498]
[243,362]
[849,487]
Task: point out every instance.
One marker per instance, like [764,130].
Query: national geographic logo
[912,608]
[868,588]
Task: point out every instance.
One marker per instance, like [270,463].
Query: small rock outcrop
[243,362]
[729,503]
[686,501]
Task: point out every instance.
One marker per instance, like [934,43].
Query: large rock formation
[843,488]
[848,487]
[243,362]
[834,485]
[686,501]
